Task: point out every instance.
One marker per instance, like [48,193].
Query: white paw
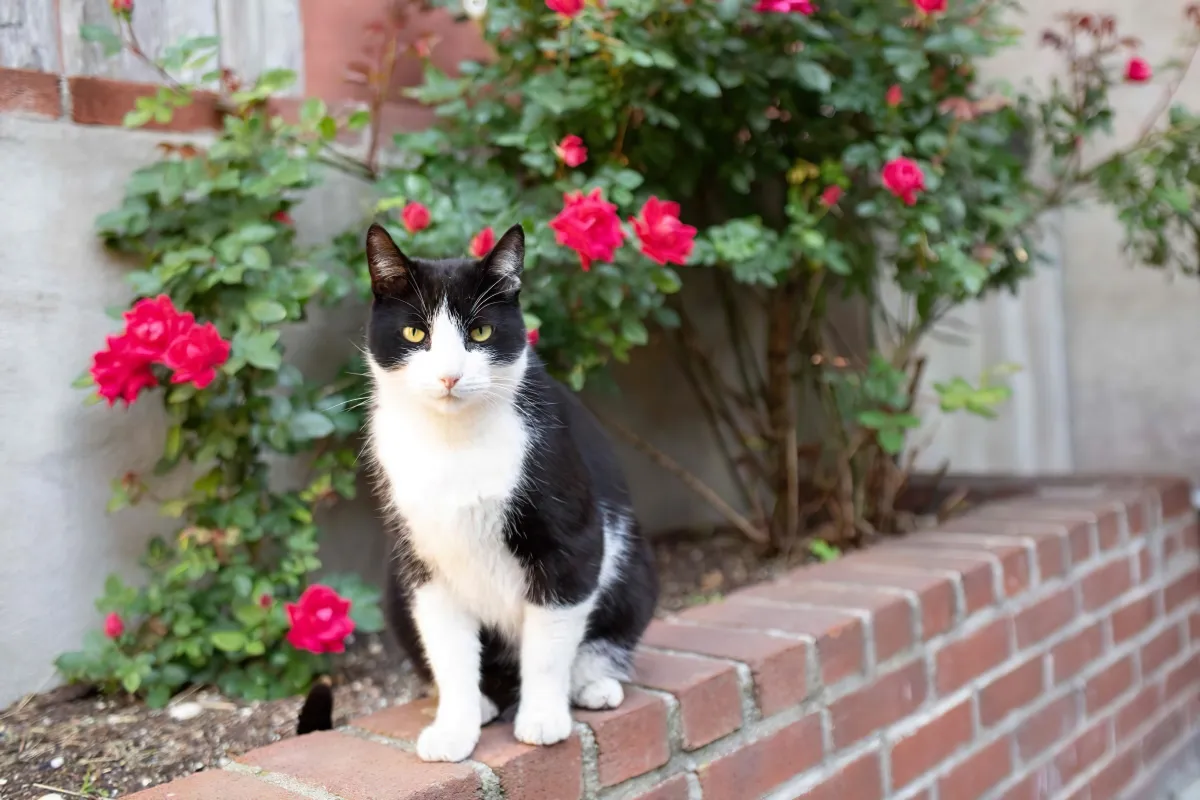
[443,741]
[600,693]
[542,724]
[487,710]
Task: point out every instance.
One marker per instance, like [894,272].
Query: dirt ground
[68,743]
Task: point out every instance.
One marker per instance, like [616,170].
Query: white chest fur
[450,481]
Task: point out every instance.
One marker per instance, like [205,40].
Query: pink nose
[449,382]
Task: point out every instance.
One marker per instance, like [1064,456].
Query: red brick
[861,779]
[1133,714]
[710,700]
[935,592]
[1175,495]
[1194,627]
[1084,750]
[1109,782]
[524,771]
[1145,565]
[1112,503]
[1103,585]
[674,789]
[632,739]
[1181,679]
[25,91]
[101,101]
[1075,528]
[1012,556]
[215,783]
[889,698]
[1181,590]
[839,637]
[1132,618]
[1047,726]
[1045,617]
[1162,736]
[1161,649]
[983,770]
[779,666]
[931,744]
[975,571]
[962,661]
[1011,691]
[891,615]
[1055,546]
[1071,656]
[1102,689]
[756,768]
[360,770]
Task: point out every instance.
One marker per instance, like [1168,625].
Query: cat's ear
[390,268]
[507,258]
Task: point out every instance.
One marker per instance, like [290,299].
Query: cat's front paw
[542,724]
[444,741]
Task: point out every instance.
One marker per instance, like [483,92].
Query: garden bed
[76,745]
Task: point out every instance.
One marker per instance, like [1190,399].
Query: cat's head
[448,334]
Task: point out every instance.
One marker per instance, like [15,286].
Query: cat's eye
[481,334]
[414,335]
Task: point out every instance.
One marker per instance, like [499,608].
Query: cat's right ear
[390,268]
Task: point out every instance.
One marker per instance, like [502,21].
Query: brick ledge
[1046,639]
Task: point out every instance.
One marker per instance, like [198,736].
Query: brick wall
[1042,646]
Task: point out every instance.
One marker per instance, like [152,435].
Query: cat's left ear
[507,259]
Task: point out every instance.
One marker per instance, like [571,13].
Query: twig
[63,791]
[1169,94]
[691,481]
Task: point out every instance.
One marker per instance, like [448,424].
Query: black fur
[555,528]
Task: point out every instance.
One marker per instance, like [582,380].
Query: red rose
[831,195]
[196,355]
[320,621]
[483,242]
[120,372]
[265,601]
[114,626]
[664,238]
[415,217]
[904,178]
[568,8]
[894,95]
[283,218]
[589,226]
[1138,70]
[121,6]
[930,6]
[571,151]
[785,7]
[151,326]
[532,337]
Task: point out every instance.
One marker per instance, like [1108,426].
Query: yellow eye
[414,335]
[482,333]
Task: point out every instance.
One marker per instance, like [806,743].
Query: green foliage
[210,228]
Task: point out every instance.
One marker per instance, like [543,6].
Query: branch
[691,481]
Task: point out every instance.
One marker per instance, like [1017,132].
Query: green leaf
[131,681]
[310,425]
[228,641]
[106,37]
[891,440]
[358,120]
[266,310]
[259,349]
[813,76]
[256,257]
[257,233]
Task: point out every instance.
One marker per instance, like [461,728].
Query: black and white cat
[521,574]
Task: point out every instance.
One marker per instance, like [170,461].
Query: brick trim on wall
[1041,646]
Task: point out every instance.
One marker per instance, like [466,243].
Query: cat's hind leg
[596,675]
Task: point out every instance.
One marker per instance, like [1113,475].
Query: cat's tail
[317,712]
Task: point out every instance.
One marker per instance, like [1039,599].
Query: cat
[522,578]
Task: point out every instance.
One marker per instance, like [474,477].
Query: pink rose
[831,195]
[589,225]
[123,7]
[568,8]
[151,326]
[664,238]
[904,178]
[415,217]
[930,6]
[483,242]
[196,355]
[114,626]
[320,621]
[283,218]
[785,7]
[121,371]
[894,95]
[1138,70]
[571,151]
[532,337]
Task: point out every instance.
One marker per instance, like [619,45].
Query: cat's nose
[449,381]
